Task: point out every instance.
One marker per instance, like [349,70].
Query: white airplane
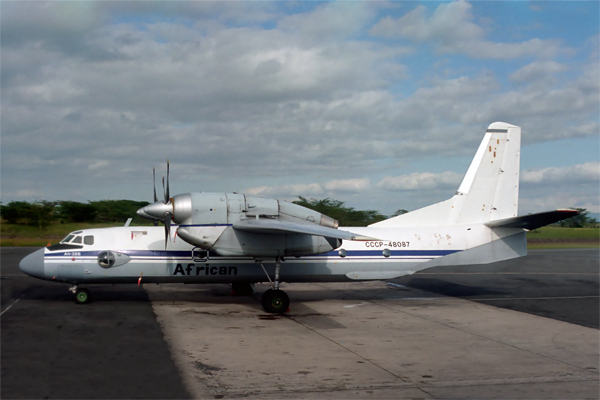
[242,240]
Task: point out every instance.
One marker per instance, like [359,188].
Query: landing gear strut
[275,301]
[82,295]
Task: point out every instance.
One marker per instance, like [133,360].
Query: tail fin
[489,191]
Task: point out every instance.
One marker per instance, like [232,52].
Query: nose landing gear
[82,295]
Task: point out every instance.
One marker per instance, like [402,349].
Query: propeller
[160,211]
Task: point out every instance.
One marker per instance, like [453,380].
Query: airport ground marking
[537,298]
[10,305]
[505,273]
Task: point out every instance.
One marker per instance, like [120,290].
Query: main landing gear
[275,301]
[82,295]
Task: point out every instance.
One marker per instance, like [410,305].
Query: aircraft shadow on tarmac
[452,289]
[221,293]
[100,294]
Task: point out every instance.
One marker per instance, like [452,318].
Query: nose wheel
[275,301]
[82,295]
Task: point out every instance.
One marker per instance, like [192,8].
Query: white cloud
[538,70]
[348,185]
[239,94]
[558,200]
[574,174]
[450,22]
[561,187]
[300,189]
[421,181]
[452,30]
[313,189]
[335,20]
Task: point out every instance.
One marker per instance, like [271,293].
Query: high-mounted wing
[533,221]
[278,226]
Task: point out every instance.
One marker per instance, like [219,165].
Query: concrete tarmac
[402,339]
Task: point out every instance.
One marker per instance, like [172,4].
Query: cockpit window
[76,240]
[68,239]
[88,240]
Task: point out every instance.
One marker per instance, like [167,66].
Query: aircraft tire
[242,288]
[83,296]
[264,298]
[275,301]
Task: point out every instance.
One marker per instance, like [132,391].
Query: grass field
[554,238]
[543,238]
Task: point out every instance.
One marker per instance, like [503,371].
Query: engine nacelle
[205,220]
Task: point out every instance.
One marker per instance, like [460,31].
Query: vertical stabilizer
[489,191]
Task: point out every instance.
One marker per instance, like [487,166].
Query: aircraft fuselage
[126,254]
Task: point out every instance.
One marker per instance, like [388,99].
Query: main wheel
[83,296]
[275,301]
[243,288]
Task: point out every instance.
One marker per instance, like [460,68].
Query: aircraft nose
[33,264]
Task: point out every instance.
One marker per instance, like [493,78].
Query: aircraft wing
[533,221]
[276,226]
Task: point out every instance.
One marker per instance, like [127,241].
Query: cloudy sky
[379,104]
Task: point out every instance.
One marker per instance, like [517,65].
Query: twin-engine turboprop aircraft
[240,239]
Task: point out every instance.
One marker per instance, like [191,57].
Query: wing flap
[533,221]
[276,226]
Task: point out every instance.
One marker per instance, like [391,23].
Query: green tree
[44,212]
[347,216]
[118,210]
[399,212]
[40,213]
[14,211]
[582,220]
[76,212]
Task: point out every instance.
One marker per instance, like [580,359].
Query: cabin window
[88,240]
[76,240]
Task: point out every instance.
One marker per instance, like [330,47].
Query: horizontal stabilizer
[276,226]
[533,221]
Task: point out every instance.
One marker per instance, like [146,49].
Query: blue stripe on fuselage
[187,254]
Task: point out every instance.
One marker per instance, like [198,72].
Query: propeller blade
[167,193]
[167,222]
[155,222]
[154,183]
